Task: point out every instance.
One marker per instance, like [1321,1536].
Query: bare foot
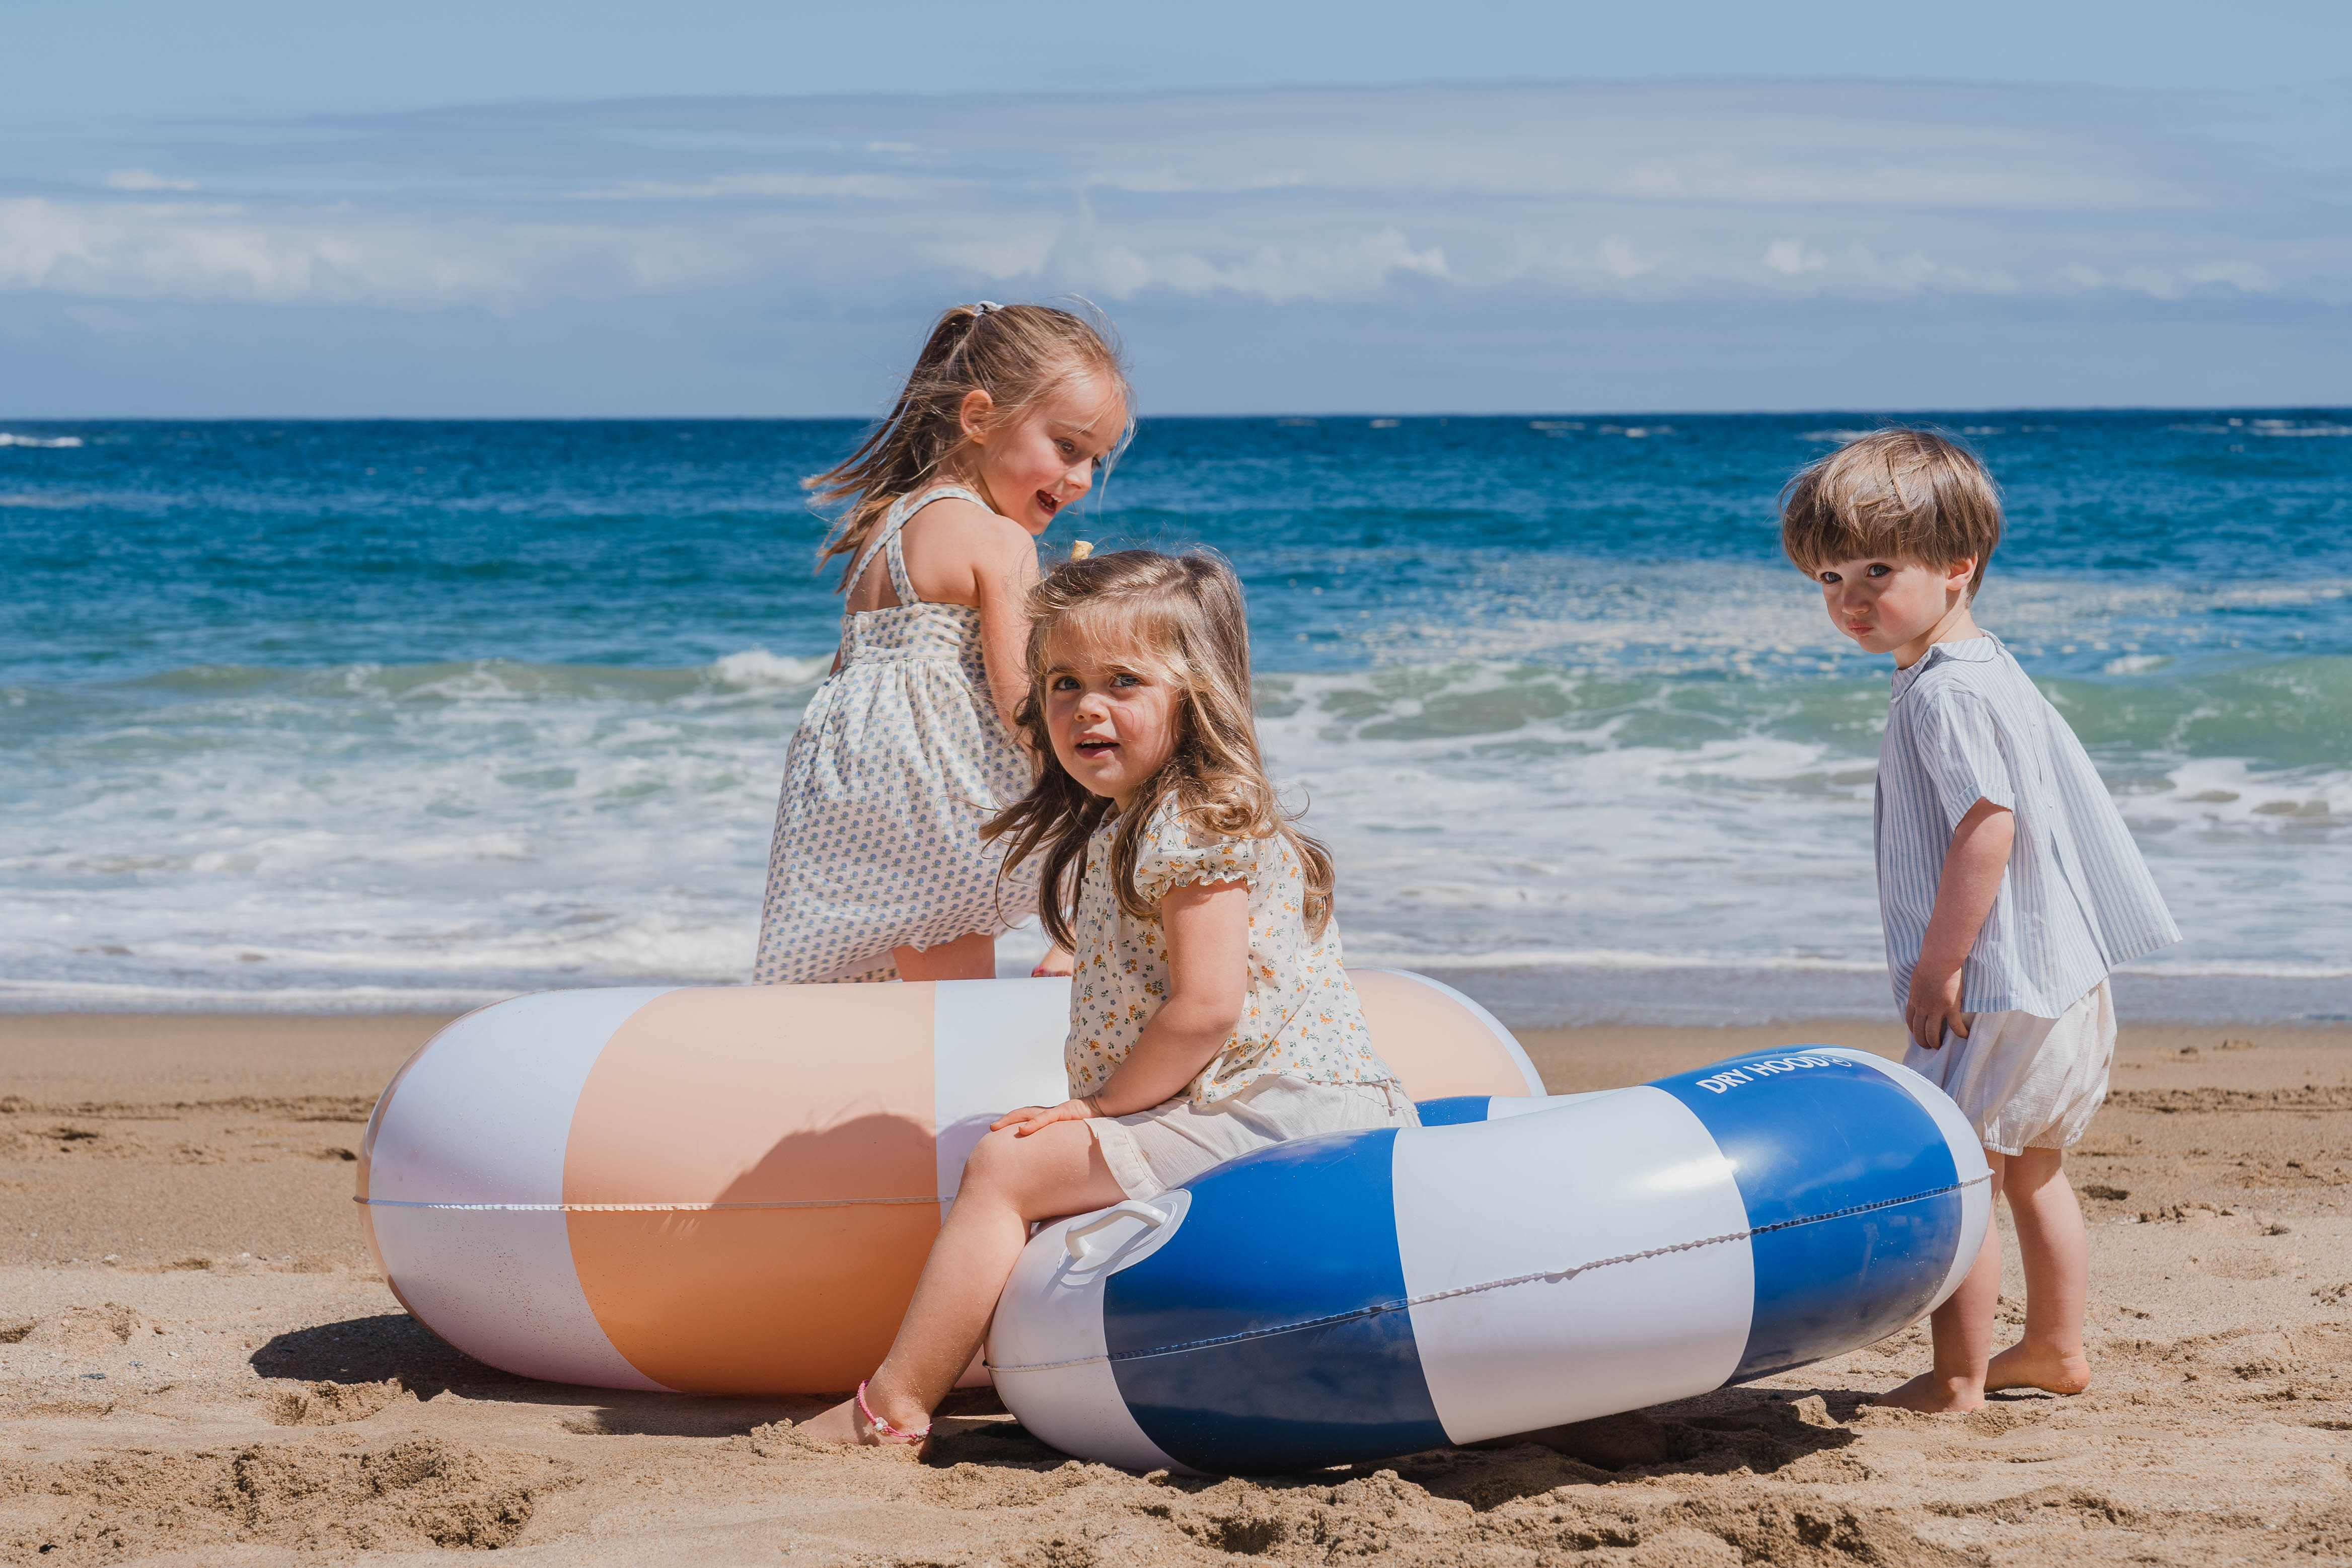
[2025,1365]
[838,1425]
[1933,1394]
[846,1426]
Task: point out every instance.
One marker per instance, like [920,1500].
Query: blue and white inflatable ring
[1507,1266]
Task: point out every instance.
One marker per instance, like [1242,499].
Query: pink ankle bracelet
[883,1427]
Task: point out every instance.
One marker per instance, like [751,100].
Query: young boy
[2007,882]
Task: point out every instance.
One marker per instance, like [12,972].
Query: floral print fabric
[1301,1019]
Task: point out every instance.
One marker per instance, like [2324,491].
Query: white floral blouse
[1301,1019]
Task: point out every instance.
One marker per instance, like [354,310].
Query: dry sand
[198,1365]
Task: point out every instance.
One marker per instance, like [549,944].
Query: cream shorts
[2027,1083]
[1150,1150]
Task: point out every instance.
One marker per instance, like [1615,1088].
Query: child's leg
[1961,1328]
[971,957]
[2056,1250]
[1007,1183]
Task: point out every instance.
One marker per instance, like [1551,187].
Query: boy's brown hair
[1899,493]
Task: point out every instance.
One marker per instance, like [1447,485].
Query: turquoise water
[328,715]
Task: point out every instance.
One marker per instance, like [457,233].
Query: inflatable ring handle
[1074,1239]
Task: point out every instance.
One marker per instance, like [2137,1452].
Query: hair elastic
[983,307]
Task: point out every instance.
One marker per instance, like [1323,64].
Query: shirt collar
[1981,649]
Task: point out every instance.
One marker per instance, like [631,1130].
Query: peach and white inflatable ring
[731,1189]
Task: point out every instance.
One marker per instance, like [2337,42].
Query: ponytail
[1017,354]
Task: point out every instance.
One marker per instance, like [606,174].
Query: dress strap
[894,556]
[886,537]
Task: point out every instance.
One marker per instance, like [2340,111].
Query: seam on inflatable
[1540,1275]
[641,1207]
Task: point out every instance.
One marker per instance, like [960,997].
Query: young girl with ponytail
[879,868]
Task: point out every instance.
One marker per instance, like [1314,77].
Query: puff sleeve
[1172,856]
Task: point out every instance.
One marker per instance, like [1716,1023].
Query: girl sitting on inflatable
[879,869]
[1209,1014]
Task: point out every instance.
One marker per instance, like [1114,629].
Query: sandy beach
[198,1364]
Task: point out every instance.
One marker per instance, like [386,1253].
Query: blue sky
[731,209]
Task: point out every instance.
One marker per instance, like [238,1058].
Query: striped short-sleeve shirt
[1966,724]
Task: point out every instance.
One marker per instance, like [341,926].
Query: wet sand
[198,1365]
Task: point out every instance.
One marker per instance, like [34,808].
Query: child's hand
[1934,1007]
[1973,868]
[1036,1118]
[1056,964]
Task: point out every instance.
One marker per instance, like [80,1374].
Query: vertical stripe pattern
[1966,724]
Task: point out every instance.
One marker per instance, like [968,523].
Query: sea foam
[391,714]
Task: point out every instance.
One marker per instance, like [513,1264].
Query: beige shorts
[2027,1083]
[1150,1150]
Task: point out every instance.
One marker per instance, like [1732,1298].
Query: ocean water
[351,715]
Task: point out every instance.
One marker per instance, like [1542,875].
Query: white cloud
[2245,277]
[1657,190]
[1170,182]
[1353,267]
[143,180]
[862,187]
[1616,257]
[2152,281]
[1775,177]
[2161,282]
[1790,256]
[1001,257]
[1917,271]
[212,251]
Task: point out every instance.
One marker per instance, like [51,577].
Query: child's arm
[959,552]
[1964,896]
[1208,981]
[1000,583]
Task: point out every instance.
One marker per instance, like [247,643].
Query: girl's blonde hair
[1184,612]
[1017,354]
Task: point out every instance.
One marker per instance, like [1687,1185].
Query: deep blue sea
[330,715]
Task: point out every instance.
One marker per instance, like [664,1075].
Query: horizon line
[2039,409]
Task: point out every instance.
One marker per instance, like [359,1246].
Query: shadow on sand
[1712,1435]
[396,1346]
